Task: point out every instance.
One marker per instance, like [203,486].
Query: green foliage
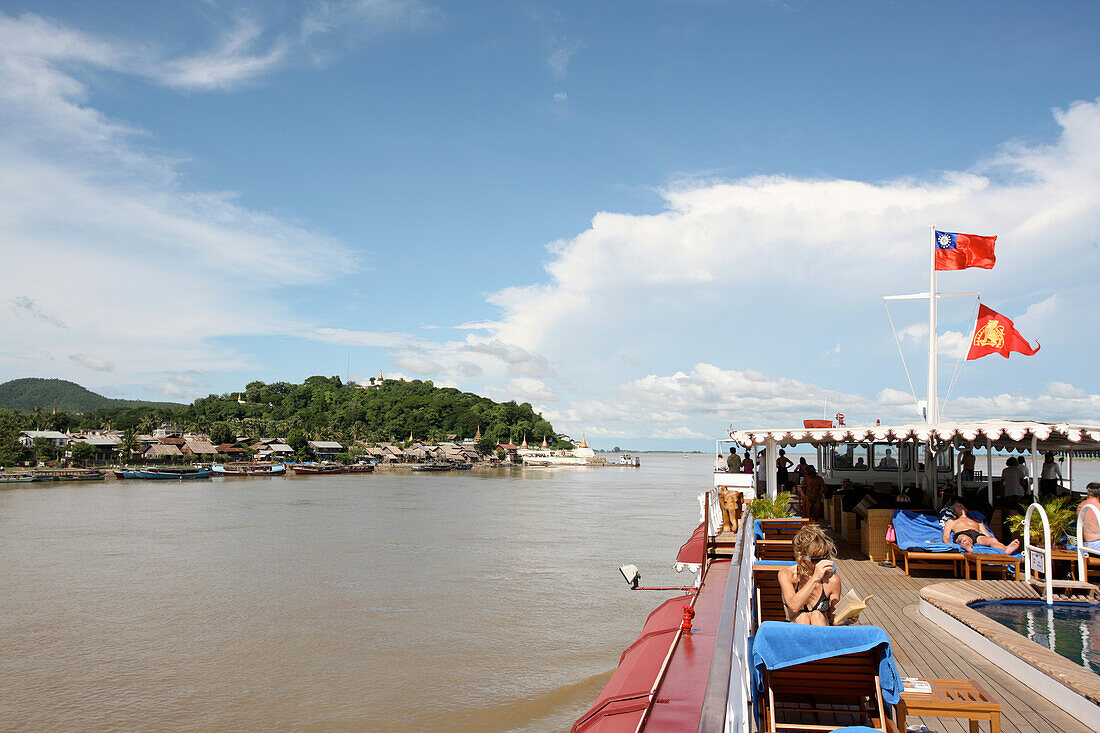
[62,395]
[486,445]
[1061,514]
[297,440]
[768,508]
[82,452]
[44,450]
[321,408]
[220,433]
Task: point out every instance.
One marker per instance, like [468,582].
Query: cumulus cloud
[806,262]
[92,362]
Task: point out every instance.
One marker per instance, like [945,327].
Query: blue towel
[778,645]
[773,563]
[916,531]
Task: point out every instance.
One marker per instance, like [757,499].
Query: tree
[486,445]
[44,450]
[221,432]
[82,452]
[127,446]
[297,440]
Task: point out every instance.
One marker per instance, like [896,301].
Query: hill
[48,394]
[324,407]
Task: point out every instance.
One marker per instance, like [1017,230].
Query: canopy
[1004,434]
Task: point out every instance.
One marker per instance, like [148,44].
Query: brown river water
[386,602]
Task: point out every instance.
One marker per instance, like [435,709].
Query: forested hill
[325,407]
[61,395]
[320,408]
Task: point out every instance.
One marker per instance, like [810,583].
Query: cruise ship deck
[922,649]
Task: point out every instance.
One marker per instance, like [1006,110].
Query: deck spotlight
[630,572]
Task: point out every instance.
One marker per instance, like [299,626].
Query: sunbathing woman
[810,587]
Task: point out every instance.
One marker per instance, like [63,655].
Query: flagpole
[933,408]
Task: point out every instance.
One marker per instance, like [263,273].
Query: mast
[933,416]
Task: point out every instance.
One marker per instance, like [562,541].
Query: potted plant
[1061,515]
[768,508]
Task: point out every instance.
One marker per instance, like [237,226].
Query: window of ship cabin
[850,456]
[945,460]
[885,457]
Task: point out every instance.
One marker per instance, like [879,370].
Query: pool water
[1070,629]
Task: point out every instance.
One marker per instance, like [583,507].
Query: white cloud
[92,362]
[526,389]
[562,49]
[813,257]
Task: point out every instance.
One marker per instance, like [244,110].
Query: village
[167,445]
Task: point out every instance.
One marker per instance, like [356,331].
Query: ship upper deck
[922,649]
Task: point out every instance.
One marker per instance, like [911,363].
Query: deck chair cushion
[778,645]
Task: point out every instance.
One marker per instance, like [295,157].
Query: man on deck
[965,532]
[1090,532]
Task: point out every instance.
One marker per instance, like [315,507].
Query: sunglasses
[818,559]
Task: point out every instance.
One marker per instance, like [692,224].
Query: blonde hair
[811,541]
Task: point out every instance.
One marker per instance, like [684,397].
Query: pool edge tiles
[1066,684]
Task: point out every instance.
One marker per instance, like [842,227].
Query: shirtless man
[1090,532]
[966,533]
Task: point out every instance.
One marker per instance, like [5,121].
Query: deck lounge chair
[774,550]
[813,678]
[919,544]
[768,596]
[784,528]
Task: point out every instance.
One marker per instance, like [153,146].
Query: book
[912,684]
[849,607]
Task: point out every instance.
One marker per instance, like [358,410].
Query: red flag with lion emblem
[995,334]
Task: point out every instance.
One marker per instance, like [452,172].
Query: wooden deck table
[981,559]
[952,699]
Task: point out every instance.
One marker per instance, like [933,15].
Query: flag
[960,251]
[995,334]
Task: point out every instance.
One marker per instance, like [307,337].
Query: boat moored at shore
[249,469]
[167,473]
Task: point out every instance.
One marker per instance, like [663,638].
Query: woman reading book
[811,587]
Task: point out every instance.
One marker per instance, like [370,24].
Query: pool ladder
[1041,556]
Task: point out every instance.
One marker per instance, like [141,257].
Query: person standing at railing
[733,463]
[1090,532]
[1050,476]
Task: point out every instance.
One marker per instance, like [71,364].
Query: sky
[651,220]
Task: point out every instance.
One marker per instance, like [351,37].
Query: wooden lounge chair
[774,550]
[824,695]
[782,529]
[917,560]
[768,594]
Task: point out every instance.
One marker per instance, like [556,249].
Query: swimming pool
[1070,629]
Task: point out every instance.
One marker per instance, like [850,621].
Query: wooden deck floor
[922,649]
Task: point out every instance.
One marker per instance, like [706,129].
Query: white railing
[739,702]
[1083,553]
[1043,553]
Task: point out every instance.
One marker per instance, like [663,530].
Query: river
[385,602]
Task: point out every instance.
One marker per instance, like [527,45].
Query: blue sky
[650,220]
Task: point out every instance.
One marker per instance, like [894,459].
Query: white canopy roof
[1003,433]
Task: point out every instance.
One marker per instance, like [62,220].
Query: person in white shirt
[1012,481]
[1050,475]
